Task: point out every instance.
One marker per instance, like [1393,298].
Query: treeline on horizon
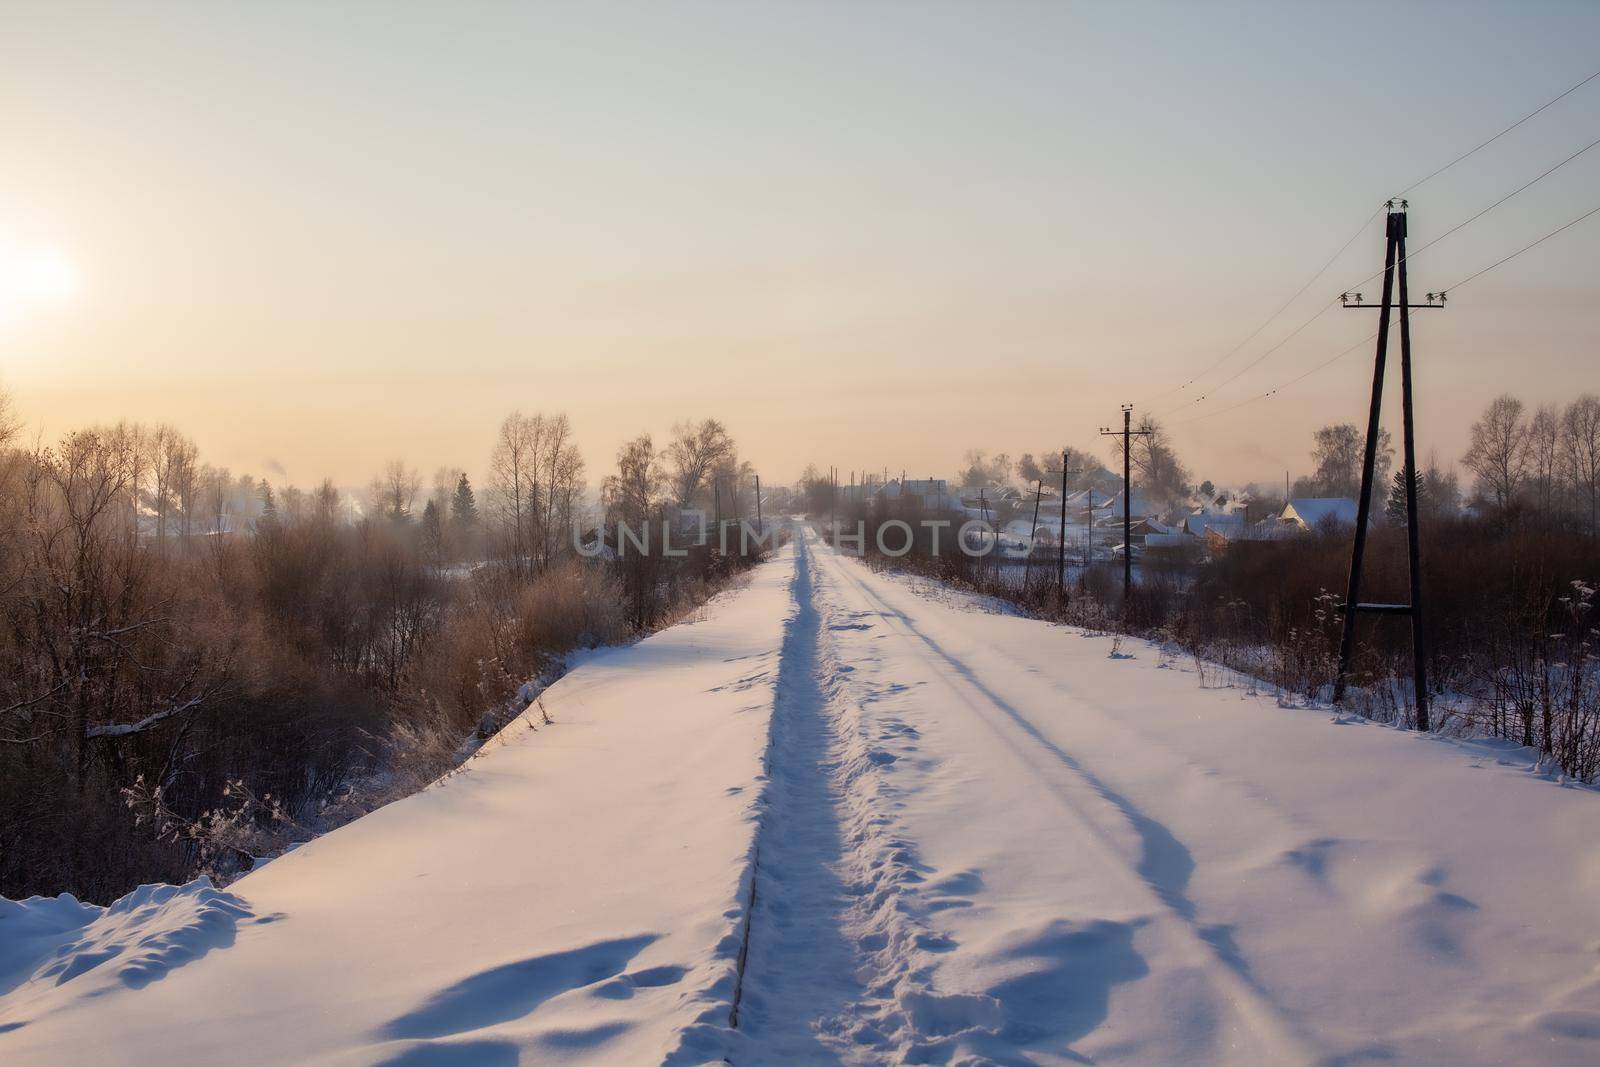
[197,669]
[1546,460]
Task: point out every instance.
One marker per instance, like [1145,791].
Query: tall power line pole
[1394,263]
[1127,433]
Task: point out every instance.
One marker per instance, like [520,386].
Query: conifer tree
[269,507]
[464,506]
[1397,496]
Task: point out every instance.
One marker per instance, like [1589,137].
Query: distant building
[1314,512]
[1141,506]
[930,494]
[1228,523]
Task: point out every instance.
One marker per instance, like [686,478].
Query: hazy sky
[870,234]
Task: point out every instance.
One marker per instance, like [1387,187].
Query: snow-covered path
[1063,888]
[854,818]
[800,964]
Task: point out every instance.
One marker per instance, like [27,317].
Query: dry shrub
[570,606]
[473,662]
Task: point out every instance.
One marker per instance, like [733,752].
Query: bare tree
[394,491]
[514,482]
[172,462]
[1580,453]
[1544,455]
[737,478]
[978,468]
[1047,468]
[10,426]
[1444,489]
[631,493]
[1498,454]
[130,444]
[695,450]
[561,468]
[1155,463]
[183,472]
[216,486]
[1338,453]
[1028,468]
[325,503]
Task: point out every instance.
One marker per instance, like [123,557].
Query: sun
[33,278]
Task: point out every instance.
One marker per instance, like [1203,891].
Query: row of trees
[194,666]
[537,477]
[699,470]
[1547,460]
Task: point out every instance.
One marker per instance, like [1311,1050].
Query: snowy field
[839,820]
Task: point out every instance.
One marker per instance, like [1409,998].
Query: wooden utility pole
[1061,534]
[1127,433]
[1394,262]
[1088,535]
[983,509]
[1027,568]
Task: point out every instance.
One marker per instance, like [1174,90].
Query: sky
[317,237]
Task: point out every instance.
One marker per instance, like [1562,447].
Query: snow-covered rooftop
[1312,511]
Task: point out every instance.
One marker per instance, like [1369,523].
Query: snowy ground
[974,838]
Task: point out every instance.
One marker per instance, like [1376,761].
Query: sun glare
[33,278]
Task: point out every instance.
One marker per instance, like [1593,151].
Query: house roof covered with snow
[1090,498]
[1312,511]
[1198,523]
[1142,505]
[929,492]
[914,486]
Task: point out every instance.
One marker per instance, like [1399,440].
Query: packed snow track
[846,817]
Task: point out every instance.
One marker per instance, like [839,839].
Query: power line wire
[1236,375]
[1273,317]
[1344,247]
[1496,137]
[1372,336]
[1524,248]
[1279,388]
[1404,259]
[1418,251]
